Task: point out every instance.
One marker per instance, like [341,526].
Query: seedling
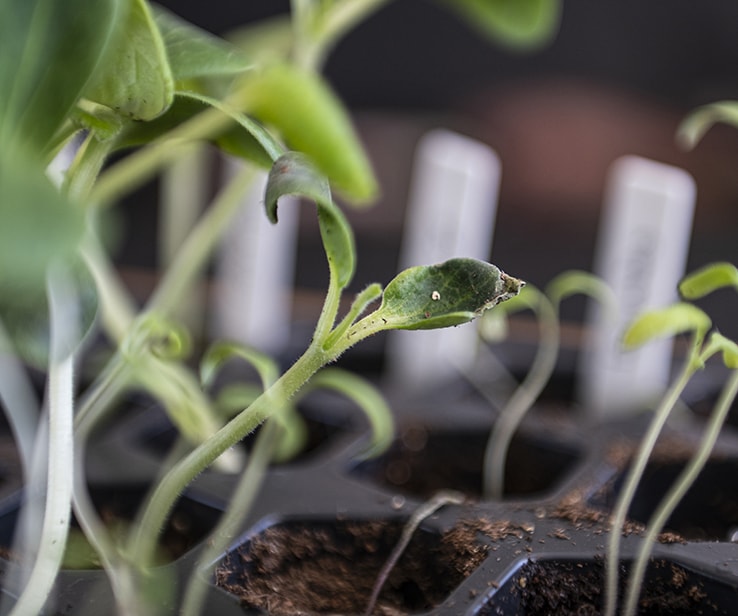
[676,319]
[121,76]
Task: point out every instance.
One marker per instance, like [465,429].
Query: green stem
[135,169]
[495,453]
[677,491]
[240,503]
[86,167]
[636,472]
[60,455]
[147,528]
[198,246]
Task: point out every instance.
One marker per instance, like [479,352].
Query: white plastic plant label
[255,274]
[641,254]
[450,213]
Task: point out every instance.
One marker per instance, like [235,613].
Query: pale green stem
[60,458]
[525,395]
[137,168]
[240,504]
[199,245]
[634,476]
[161,502]
[677,491]
[85,168]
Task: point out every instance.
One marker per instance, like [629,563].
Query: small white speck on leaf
[435,296]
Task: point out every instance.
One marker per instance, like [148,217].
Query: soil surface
[305,568]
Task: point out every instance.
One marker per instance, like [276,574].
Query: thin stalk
[677,491]
[428,508]
[135,169]
[634,476]
[240,503]
[161,502]
[498,444]
[57,513]
[198,246]
[86,166]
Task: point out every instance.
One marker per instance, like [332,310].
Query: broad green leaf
[697,123]
[516,23]
[294,174]
[451,293]
[49,50]
[708,279]
[194,52]
[136,80]
[311,119]
[676,319]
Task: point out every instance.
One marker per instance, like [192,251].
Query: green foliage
[520,24]
[709,279]
[676,319]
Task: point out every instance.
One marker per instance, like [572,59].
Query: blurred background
[618,79]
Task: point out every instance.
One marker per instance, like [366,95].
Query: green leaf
[516,23]
[708,279]
[697,123]
[294,174]
[576,282]
[676,319]
[301,106]
[136,80]
[454,292]
[49,50]
[194,52]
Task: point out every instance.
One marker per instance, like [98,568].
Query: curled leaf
[294,174]
[708,279]
[676,319]
[725,346]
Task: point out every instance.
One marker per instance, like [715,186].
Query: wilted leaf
[454,292]
[293,174]
[301,106]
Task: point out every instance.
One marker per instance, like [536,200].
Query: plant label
[641,254]
[256,271]
[450,213]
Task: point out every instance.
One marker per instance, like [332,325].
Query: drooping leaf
[697,123]
[294,174]
[194,52]
[221,352]
[708,279]
[676,319]
[312,120]
[49,51]
[136,80]
[451,293]
[727,347]
[516,23]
